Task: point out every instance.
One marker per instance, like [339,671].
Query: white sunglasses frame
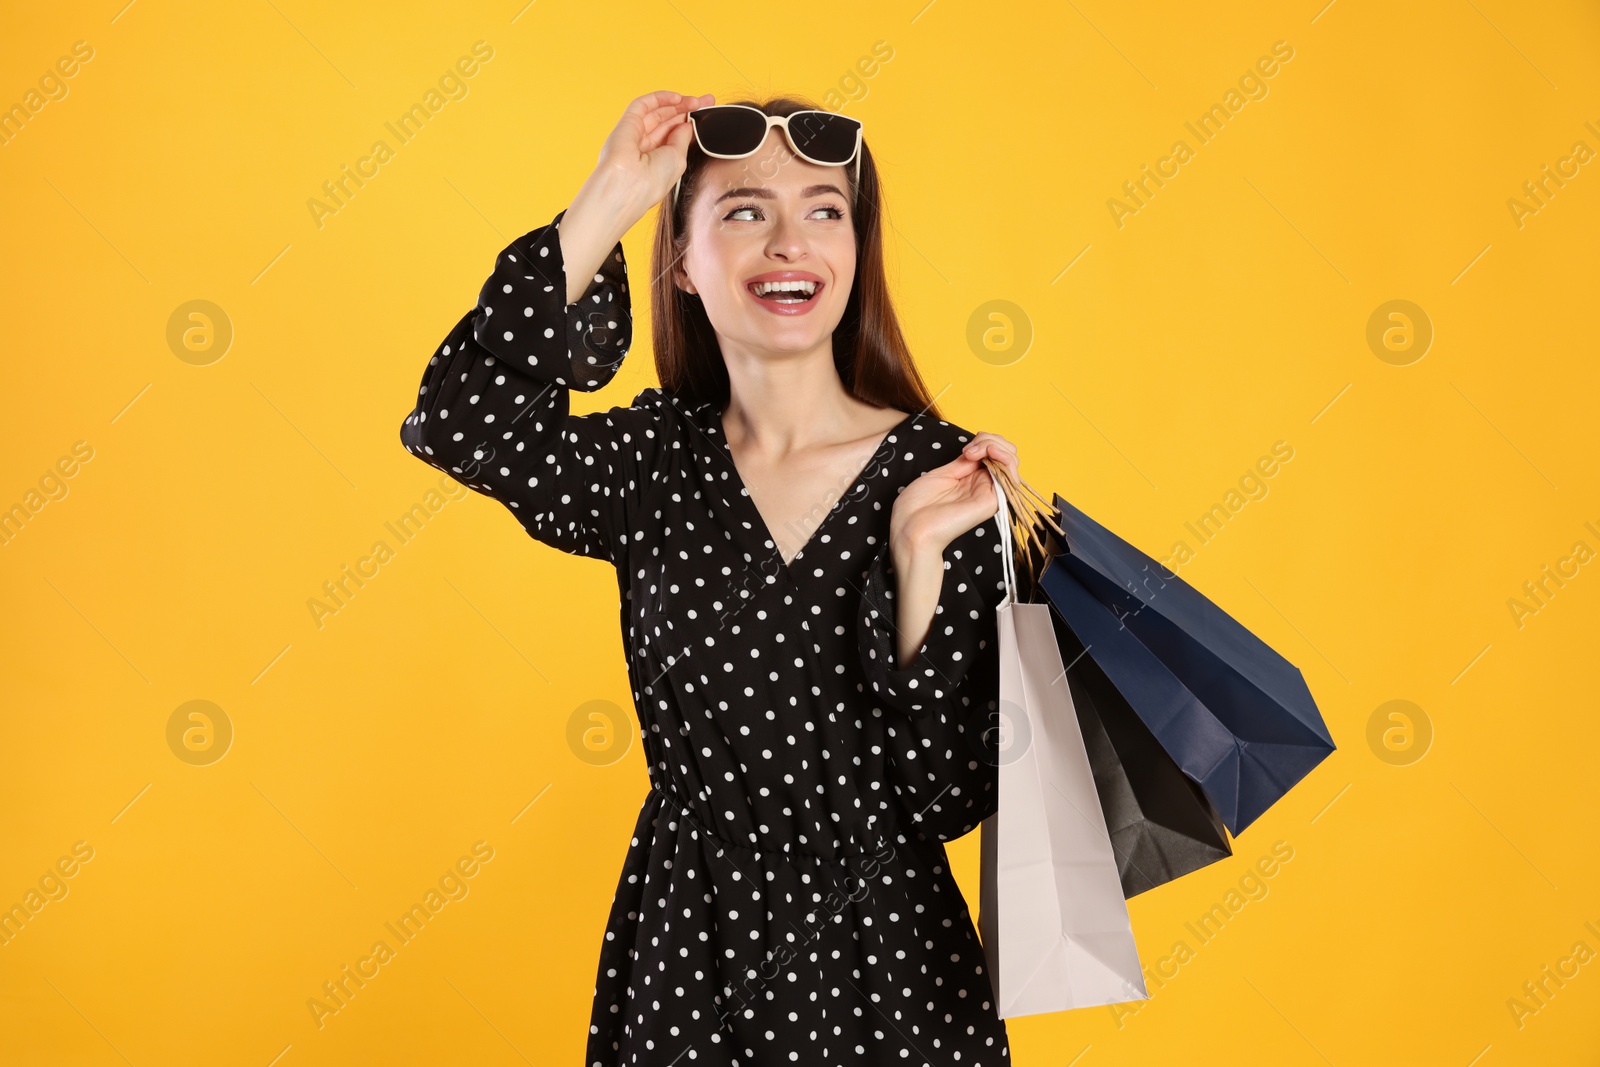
[782,122]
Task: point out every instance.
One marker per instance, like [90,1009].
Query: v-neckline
[762,530]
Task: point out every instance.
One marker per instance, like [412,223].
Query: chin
[800,334]
[783,342]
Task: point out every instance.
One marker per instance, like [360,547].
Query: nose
[786,241]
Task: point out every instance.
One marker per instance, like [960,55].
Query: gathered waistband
[840,857]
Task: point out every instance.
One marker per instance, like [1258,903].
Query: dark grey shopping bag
[1161,824]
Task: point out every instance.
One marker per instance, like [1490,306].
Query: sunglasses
[733,131]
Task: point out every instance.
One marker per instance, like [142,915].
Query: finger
[658,136]
[678,140]
[986,489]
[678,112]
[980,445]
[683,104]
[992,445]
[992,437]
[997,449]
[656,117]
[1006,453]
[643,105]
[958,470]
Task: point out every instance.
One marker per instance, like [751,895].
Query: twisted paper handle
[1029,511]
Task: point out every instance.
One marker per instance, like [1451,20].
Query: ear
[680,277]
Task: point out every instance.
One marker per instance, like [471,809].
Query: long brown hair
[869,351]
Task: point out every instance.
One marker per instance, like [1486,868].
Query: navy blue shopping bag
[1235,715]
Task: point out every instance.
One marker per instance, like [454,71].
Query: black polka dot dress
[786,896]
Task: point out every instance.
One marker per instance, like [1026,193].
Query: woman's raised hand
[639,163]
[649,148]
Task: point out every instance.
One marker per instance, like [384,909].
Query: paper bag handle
[1002,518]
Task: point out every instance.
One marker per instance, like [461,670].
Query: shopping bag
[1161,824]
[1052,915]
[1234,714]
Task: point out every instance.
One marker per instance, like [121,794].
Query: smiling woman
[812,693]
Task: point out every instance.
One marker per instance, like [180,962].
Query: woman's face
[771,217]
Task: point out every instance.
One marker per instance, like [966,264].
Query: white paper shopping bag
[1052,915]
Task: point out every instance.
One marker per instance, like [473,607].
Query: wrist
[610,199]
[914,552]
[908,537]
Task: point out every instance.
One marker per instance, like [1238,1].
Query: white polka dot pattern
[786,896]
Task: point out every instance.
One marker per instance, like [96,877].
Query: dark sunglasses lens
[730,130]
[824,136]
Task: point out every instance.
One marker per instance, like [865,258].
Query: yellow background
[431,711]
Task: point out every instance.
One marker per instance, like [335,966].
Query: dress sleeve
[493,410]
[943,706]
[963,621]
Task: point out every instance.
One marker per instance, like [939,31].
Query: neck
[781,401]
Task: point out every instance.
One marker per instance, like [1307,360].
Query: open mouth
[797,292]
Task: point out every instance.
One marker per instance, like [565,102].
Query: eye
[838,213]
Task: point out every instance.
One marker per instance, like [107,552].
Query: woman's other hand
[928,515]
[947,501]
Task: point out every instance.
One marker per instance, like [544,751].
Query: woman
[808,578]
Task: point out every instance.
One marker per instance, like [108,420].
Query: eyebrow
[762,193]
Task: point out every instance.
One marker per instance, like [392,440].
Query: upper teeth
[809,288]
